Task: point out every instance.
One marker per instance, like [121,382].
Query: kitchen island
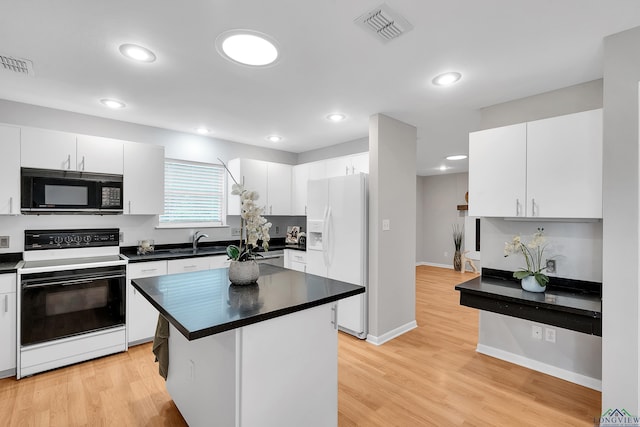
[257,355]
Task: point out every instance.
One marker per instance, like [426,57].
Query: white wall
[392,196]
[437,210]
[350,147]
[621,296]
[575,356]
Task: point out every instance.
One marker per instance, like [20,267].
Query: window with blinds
[193,194]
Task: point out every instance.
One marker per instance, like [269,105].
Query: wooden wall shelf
[463,207]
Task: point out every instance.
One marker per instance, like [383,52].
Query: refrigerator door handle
[325,236]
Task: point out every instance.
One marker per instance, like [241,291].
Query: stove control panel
[64,239]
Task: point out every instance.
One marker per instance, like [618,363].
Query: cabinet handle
[190,266]
[305,210]
[10,205]
[517,207]
[533,207]
[129,206]
[6,303]
[82,163]
[271,210]
[334,316]
[69,162]
[346,170]
[353,170]
[149,270]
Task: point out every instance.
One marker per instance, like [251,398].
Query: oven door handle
[68,282]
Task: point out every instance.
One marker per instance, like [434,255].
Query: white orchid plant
[533,255]
[253,226]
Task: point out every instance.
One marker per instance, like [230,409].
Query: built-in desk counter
[569,304]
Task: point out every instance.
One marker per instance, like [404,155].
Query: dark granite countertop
[184,250]
[9,263]
[560,300]
[203,303]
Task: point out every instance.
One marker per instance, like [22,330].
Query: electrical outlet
[446,254]
[235,231]
[386,225]
[277,230]
[551,266]
[4,241]
[536,332]
[550,335]
[121,236]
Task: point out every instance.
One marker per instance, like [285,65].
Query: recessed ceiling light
[274,138]
[336,117]
[443,168]
[446,79]
[137,53]
[112,103]
[247,47]
[457,157]
[203,131]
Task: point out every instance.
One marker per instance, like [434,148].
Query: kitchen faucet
[196,238]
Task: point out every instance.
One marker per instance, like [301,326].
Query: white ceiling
[505,49]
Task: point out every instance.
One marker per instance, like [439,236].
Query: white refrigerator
[337,244]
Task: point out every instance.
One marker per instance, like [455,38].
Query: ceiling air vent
[17,65]
[385,23]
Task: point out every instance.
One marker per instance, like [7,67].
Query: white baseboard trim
[433,264]
[535,365]
[388,336]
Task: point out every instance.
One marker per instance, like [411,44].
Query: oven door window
[67,305]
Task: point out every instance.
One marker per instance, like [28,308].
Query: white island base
[276,373]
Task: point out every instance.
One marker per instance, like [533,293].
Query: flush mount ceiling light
[274,138]
[336,117]
[137,53]
[202,130]
[112,103]
[457,157]
[446,79]
[247,47]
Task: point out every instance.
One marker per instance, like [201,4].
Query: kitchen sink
[221,250]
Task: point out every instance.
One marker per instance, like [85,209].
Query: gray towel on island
[161,346]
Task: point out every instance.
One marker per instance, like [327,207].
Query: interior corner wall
[438,199]
[620,299]
[392,197]
[338,150]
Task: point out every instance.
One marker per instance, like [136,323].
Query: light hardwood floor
[430,376]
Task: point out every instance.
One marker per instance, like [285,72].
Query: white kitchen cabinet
[550,168]
[9,170]
[186,265]
[295,260]
[278,189]
[8,312]
[100,155]
[272,181]
[143,179]
[498,171]
[300,176]
[564,166]
[142,317]
[219,261]
[347,165]
[359,163]
[47,149]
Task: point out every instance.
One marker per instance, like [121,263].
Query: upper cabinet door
[9,170]
[143,179]
[100,155]
[253,173]
[299,192]
[47,149]
[564,166]
[360,163]
[497,171]
[278,189]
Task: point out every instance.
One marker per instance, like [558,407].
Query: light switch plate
[4,242]
[386,225]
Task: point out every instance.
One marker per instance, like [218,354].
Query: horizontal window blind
[193,193]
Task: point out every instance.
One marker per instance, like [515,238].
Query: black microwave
[52,191]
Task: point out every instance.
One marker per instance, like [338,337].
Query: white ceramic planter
[530,284]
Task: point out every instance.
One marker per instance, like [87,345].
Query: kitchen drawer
[139,270]
[298,266]
[220,261]
[298,256]
[186,265]
[7,283]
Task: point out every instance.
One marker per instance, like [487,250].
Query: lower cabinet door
[7,333]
